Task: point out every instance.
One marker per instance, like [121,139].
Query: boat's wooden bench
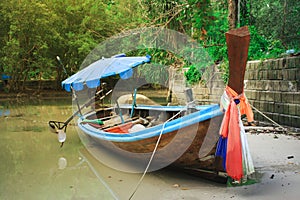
[118,122]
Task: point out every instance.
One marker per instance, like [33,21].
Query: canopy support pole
[54,125]
[133,102]
[120,112]
[77,103]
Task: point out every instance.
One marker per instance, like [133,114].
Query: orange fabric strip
[245,107]
[234,164]
[230,129]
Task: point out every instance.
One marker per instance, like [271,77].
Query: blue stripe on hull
[204,113]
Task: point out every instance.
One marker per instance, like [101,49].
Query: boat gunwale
[204,112]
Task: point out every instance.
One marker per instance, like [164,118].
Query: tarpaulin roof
[105,67]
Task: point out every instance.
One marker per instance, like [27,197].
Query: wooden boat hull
[190,146]
[191,157]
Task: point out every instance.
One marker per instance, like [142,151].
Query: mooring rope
[268,118]
[155,149]
[97,175]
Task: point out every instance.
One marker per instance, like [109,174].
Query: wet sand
[277,163]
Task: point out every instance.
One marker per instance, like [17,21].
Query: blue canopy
[105,67]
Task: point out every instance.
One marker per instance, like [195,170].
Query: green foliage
[187,16]
[193,74]
[33,33]
[157,71]
[224,67]
[215,42]
[25,42]
[262,48]
[278,20]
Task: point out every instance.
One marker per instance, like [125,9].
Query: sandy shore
[277,163]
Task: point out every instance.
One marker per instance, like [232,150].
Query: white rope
[267,117]
[271,120]
[154,151]
[97,175]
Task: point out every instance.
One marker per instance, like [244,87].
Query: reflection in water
[62,163]
[33,166]
[4,112]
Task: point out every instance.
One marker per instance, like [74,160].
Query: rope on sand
[154,151]
[268,118]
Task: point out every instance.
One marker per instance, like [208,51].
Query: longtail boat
[155,136]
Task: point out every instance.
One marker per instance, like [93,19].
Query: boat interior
[127,118]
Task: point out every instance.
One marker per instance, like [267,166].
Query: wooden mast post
[238,41]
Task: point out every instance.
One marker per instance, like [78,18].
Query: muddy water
[32,164]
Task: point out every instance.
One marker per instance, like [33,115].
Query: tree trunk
[232,13]
[244,13]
